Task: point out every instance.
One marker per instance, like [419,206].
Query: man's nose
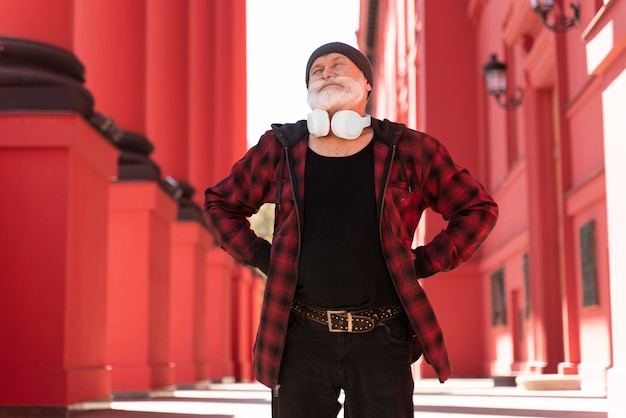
[328,72]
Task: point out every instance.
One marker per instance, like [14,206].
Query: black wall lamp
[495,75]
[562,23]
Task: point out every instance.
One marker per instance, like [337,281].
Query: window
[498,305]
[588,263]
[526,284]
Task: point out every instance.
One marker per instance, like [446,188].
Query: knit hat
[353,54]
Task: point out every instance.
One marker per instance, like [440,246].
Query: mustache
[318,85]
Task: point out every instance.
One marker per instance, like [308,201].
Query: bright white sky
[281,35]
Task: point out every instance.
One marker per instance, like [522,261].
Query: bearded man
[343,308]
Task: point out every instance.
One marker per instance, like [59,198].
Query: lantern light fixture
[495,75]
[561,23]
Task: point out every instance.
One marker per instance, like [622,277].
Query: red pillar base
[187,268]
[141,214]
[214,361]
[53,258]
[242,339]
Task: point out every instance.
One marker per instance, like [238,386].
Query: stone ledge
[548,382]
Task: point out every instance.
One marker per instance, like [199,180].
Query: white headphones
[346,124]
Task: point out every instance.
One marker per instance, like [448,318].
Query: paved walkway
[457,398]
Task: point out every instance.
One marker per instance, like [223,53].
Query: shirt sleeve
[229,204]
[462,200]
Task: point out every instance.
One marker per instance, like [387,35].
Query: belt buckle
[329,315]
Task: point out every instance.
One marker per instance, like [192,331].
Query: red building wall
[546,163]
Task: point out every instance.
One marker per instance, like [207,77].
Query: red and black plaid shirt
[412,171]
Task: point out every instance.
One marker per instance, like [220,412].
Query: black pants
[372,368]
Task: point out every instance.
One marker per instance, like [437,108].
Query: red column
[53,223]
[141,214]
[53,256]
[461,287]
[110,39]
[563,143]
[202,64]
[545,286]
[242,343]
[200,305]
[217,138]
[187,268]
[229,86]
[166,126]
[217,100]
[258,289]
[39,20]
[166,84]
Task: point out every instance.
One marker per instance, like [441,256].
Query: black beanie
[352,53]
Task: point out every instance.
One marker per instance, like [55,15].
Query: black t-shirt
[341,260]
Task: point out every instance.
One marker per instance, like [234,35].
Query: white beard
[351,93]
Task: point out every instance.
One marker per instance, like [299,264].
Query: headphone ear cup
[318,122]
[347,124]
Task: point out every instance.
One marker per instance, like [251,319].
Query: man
[343,308]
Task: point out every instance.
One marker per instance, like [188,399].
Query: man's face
[336,83]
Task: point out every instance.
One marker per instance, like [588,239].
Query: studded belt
[358,321]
